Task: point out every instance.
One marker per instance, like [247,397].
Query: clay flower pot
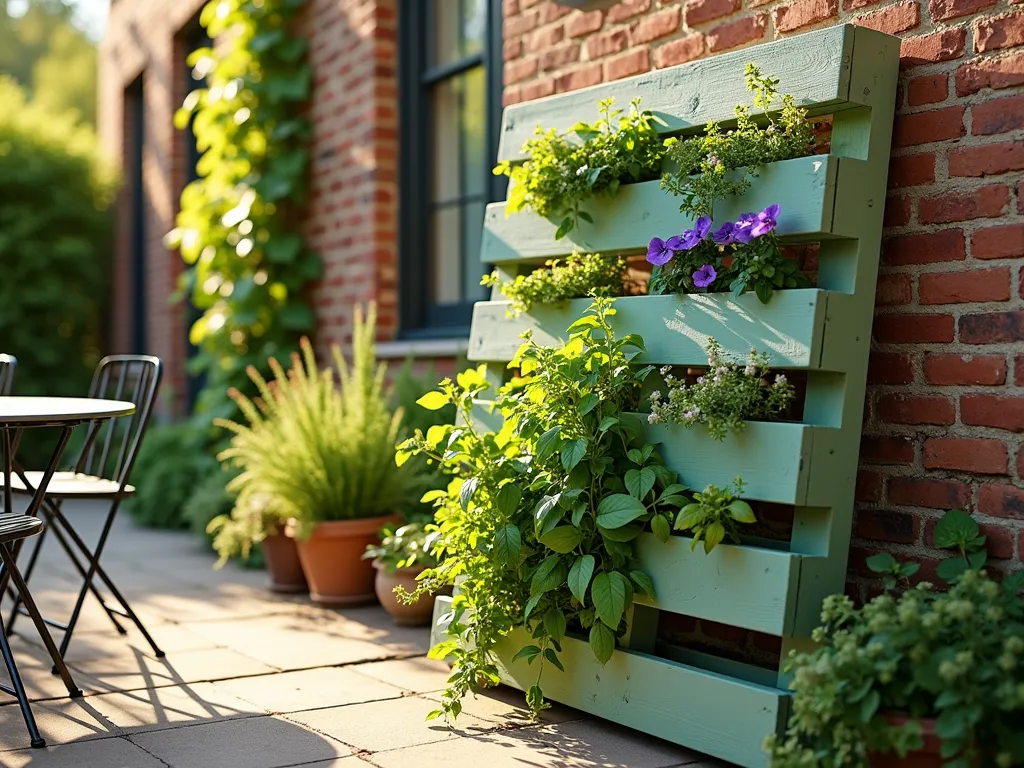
[332,560]
[927,757]
[415,615]
[283,566]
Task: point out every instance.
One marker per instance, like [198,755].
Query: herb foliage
[579,276]
[714,516]
[539,521]
[565,169]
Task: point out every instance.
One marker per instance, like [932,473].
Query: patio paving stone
[256,680]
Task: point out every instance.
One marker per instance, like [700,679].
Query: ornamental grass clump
[957,657]
[725,397]
[565,169]
[318,445]
[579,276]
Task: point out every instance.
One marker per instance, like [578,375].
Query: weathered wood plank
[713,713]
[804,187]
[749,587]
[675,329]
[814,67]
[774,459]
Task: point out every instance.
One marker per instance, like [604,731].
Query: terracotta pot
[332,560]
[926,757]
[415,615]
[283,566]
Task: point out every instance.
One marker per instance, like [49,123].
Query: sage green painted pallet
[723,707]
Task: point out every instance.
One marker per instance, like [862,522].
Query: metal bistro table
[16,415]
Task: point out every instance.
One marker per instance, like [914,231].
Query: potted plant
[403,554]
[921,679]
[318,451]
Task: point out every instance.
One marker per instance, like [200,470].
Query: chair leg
[30,605]
[61,524]
[13,615]
[18,689]
[94,567]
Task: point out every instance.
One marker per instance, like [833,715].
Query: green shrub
[56,232]
[172,464]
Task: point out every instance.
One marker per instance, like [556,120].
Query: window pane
[459,29]
[446,255]
[472,231]
[459,156]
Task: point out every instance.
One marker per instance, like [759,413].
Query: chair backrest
[8,365]
[111,446]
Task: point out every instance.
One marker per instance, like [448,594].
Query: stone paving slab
[256,680]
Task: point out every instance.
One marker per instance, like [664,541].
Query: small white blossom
[582,169]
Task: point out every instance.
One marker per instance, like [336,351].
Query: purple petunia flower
[704,276]
[766,221]
[691,238]
[659,252]
[724,234]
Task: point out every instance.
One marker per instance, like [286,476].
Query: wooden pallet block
[717,706]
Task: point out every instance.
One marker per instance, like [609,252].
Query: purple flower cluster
[747,227]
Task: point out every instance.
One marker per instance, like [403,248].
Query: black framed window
[135,106]
[450,115]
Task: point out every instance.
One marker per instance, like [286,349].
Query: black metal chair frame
[93,460]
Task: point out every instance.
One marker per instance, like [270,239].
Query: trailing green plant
[952,656]
[720,163]
[565,169]
[715,515]
[579,276]
[172,462]
[56,234]
[539,521]
[412,545]
[955,530]
[239,228]
[725,397]
[318,445]
[251,519]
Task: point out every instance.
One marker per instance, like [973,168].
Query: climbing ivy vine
[238,229]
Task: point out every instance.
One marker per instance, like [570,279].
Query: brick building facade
[945,410]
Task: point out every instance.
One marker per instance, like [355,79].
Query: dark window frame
[420,318]
[136,102]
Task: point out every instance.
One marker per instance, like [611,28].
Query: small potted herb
[924,678]
[402,555]
[577,277]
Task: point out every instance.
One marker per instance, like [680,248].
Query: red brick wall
[945,408]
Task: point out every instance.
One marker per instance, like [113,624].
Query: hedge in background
[56,235]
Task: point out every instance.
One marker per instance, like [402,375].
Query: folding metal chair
[8,365]
[102,471]
[13,528]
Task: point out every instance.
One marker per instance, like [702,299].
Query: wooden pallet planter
[718,706]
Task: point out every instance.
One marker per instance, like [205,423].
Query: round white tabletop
[55,411]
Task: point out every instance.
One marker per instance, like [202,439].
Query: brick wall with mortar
[351,219]
[945,408]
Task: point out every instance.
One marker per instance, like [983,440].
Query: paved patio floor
[253,680]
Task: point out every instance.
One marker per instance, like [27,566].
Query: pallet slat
[675,329]
[804,187]
[814,67]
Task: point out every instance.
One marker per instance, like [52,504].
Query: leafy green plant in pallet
[953,657]
[579,276]
[539,520]
[725,397]
[703,164]
[715,515]
[565,169]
